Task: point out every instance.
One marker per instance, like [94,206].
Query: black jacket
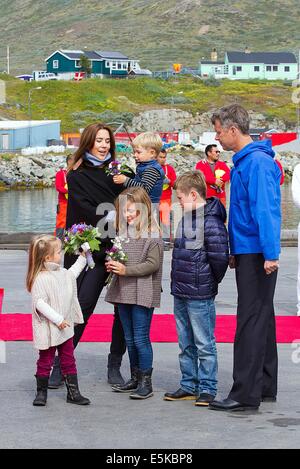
[197,272]
[88,187]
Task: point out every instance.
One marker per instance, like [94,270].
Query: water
[35,210]
[29,210]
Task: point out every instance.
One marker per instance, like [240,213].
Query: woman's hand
[115,267]
[119,179]
[63,325]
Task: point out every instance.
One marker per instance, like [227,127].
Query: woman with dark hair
[90,186]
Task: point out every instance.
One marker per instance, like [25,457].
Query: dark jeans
[136,321]
[90,284]
[255,366]
[66,358]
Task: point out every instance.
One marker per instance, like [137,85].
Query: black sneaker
[204,400]
[179,395]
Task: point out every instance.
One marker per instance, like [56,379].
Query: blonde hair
[191,180]
[40,247]
[147,222]
[149,140]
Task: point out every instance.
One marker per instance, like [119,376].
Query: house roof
[212,62]
[92,55]
[262,57]
[12,125]
[111,55]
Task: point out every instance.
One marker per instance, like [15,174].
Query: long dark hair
[87,141]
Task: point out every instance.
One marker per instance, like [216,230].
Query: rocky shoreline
[36,172]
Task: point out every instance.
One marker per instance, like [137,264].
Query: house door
[5,142]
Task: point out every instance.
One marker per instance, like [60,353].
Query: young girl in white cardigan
[55,312]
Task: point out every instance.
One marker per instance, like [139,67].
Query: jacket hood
[263,146]
[215,208]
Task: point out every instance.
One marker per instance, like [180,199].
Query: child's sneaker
[204,399]
[179,395]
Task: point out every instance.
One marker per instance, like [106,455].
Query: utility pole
[8,60]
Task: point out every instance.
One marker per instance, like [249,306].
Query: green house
[252,65]
[66,63]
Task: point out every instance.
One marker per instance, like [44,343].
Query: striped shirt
[148,180]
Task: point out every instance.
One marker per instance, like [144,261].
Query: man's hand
[231,262]
[120,179]
[219,183]
[116,267]
[271,266]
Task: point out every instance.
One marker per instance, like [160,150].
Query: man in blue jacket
[254,235]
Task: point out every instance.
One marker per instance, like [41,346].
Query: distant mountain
[158,32]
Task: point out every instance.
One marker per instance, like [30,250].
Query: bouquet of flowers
[117,167]
[116,253]
[80,234]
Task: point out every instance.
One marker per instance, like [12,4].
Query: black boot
[74,396]
[113,370]
[41,395]
[144,389]
[130,385]
[56,379]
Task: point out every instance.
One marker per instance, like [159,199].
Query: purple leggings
[66,358]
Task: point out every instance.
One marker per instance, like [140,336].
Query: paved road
[114,421]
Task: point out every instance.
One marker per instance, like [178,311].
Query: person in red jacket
[62,189]
[216,173]
[281,168]
[166,198]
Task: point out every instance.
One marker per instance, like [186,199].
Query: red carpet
[1,298]
[15,327]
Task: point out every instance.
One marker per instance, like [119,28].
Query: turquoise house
[252,65]
[66,63]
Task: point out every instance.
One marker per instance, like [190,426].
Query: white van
[41,75]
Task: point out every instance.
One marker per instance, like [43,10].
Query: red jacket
[171,175]
[61,185]
[210,177]
[282,171]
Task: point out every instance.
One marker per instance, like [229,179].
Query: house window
[275,68]
[256,68]
[286,69]
[55,63]
[107,64]
[77,64]
[119,66]
[239,69]
[124,66]
[114,65]
[269,68]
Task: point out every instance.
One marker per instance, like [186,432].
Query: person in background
[62,188]
[166,197]
[296,197]
[216,173]
[277,161]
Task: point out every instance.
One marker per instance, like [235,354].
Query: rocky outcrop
[169,120]
[30,171]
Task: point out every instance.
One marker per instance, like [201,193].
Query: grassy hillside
[158,32]
[78,104]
